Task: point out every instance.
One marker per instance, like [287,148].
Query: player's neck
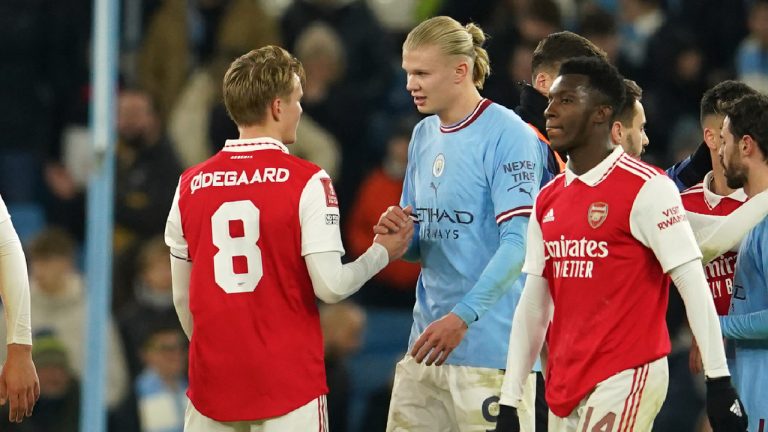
[258,131]
[718,184]
[465,104]
[583,158]
[757,180]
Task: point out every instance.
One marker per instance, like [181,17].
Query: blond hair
[255,79]
[453,39]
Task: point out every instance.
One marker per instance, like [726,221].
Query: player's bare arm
[19,385]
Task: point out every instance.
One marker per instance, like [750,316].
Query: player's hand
[439,339]
[507,421]
[694,359]
[19,384]
[393,220]
[396,243]
[724,409]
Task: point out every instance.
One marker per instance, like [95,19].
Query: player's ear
[603,114]
[542,82]
[276,108]
[747,145]
[461,71]
[710,139]
[617,132]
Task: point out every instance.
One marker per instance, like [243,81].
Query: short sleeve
[658,221]
[534,248]
[514,172]
[174,232]
[319,216]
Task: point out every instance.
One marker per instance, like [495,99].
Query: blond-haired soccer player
[474,168]
[19,385]
[254,238]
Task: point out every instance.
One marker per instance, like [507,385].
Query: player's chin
[425,109]
[558,144]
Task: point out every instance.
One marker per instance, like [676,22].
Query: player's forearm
[745,326]
[14,286]
[333,282]
[716,235]
[690,281]
[529,327]
[181,270]
[499,275]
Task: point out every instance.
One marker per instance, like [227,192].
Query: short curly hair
[603,77]
[749,116]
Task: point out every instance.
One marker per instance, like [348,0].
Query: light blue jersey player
[474,170]
[743,155]
[467,183]
[746,326]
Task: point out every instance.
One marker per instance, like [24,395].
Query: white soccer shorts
[627,401]
[311,417]
[451,398]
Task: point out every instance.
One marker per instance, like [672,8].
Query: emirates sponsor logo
[597,214]
[582,248]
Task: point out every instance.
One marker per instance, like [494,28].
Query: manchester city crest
[597,214]
[439,165]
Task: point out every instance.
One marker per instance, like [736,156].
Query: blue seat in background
[385,342]
[28,218]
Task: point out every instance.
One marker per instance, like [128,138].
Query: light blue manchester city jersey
[465,182]
[746,326]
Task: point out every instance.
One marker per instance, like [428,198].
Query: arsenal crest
[597,214]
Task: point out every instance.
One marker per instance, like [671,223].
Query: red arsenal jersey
[719,271]
[245,218]
[604,241]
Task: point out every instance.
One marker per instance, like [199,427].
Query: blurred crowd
[356,125]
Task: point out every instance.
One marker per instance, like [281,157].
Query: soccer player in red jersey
[254,239]
[713,196]
[605,239]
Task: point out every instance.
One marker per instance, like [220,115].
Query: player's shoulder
[638,170]
[552,186]
[505,119]
[695,190]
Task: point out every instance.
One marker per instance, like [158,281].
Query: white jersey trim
[254,144]
[598,173]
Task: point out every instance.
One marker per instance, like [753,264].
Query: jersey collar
[254,144]
[713,199]
[596,174]
[466,121]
